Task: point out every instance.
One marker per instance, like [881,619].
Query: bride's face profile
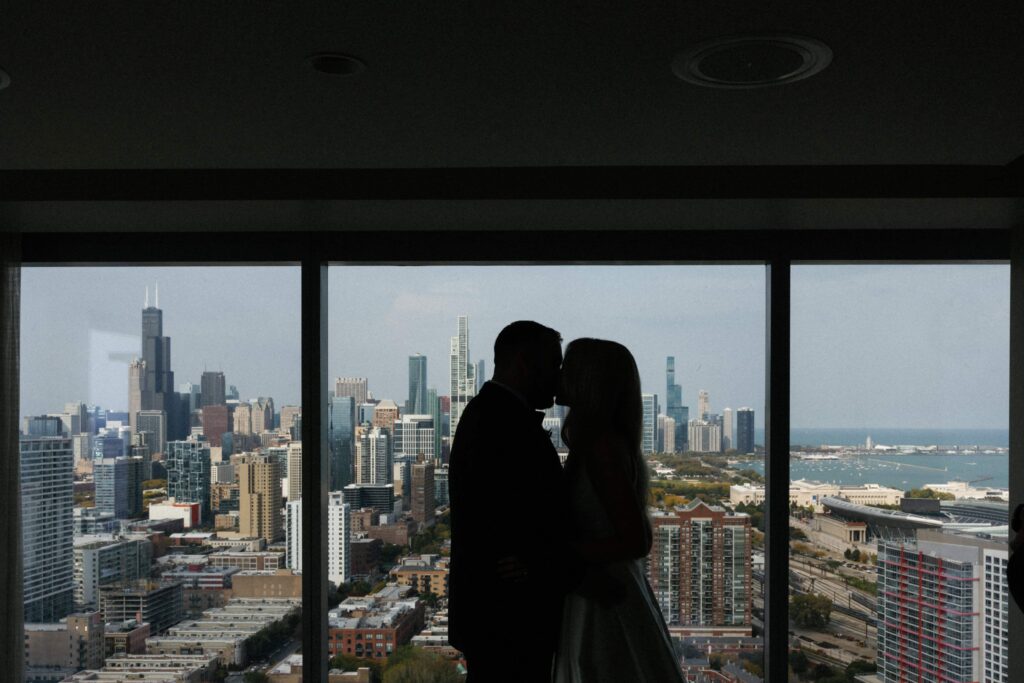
[563,395]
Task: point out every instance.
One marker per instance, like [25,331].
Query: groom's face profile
[545,376]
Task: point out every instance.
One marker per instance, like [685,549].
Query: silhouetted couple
[547,580]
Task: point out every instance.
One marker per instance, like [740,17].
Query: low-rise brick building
[375,625]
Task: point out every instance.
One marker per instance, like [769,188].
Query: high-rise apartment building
[373,457]
[414,435]
[355,387]
[649,441]
[462,374]
[294,470]
[118,484]
[47,527]
[212,390]
[340,436]
[259,497]
[416,404]
[666,434]
[100,563]
[422,493]
[942,606]
[339,536]
[727,429]
[380,497]
[42,425]
[745,430]
[155,423]
[699,566]
[674,407]
[438,418]
[704,436]
[188,474]
[293,535]
[161,605]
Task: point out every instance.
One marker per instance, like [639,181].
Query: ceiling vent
[743,62]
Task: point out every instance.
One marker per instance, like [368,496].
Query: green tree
[410,664]
[858,667]
[798,661]
[810,611]
[929,493]
[255,677]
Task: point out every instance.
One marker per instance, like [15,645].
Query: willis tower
[157,380]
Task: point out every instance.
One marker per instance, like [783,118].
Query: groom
[509,569]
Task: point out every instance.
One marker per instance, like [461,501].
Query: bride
[612,628]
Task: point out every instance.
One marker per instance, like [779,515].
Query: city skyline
[960,312]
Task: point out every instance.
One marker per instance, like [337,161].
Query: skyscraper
[480,372]
[136,389]
[941,608]
[294,470]
[414,435]
[216,423]
[155,423]
[416,404]
[188,474]
[158,382]
[727,429]
[422,494]
[339,560]
[259,497]
[262,415]
[192,392]
[356,387]
[699,566]
[462,374]
[702,404]
[339,534]
[649,443]
[241,419]
[373,457]
[704,436]
[674,407]
[118,486]
[434,405]
[745,430]
[212,389]
[47,527]
[340,434]
[385,414]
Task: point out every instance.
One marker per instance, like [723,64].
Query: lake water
[901,471]
[922,437]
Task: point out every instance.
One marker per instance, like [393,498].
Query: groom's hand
[512,569]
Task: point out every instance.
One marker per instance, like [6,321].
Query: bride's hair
[602,389]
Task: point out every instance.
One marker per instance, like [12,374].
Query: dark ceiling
[563,104]
[224,84]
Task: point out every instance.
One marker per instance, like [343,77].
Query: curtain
[12,644]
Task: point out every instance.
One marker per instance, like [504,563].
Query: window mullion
[776,578]
[314,467]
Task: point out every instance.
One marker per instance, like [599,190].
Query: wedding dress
[611,643]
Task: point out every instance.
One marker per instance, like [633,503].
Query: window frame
[337,244]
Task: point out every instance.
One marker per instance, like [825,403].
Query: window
[961,244]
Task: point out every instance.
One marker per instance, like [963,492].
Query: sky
[872,346]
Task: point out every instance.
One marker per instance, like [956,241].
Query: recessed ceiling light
[741,62]
[5,80]
[336,64]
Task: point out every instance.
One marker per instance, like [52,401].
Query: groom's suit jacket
[508,497]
